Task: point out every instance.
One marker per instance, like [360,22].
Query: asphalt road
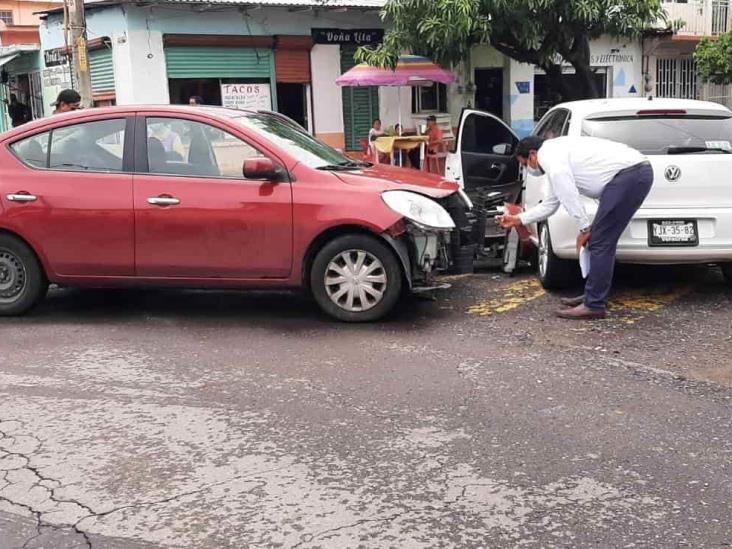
[137,420]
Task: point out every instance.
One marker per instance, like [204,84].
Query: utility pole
[77,31]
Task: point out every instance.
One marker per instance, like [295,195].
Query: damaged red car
[209,197]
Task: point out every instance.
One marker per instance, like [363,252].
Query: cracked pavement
[143,419]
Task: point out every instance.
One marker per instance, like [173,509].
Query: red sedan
[210,197]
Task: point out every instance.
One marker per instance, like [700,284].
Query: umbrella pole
[399,117]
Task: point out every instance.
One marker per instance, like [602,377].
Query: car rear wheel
[22,281]
[554,273]
[356,278]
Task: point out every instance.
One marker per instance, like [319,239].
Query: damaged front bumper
[423,251]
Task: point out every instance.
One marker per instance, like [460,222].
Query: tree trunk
[579,57]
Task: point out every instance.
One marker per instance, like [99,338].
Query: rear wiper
[691,150]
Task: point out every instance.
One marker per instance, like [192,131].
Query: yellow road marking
[509,298]
[632,306]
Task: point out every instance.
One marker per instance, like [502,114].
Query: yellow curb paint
[453,278]
[630,307]
[509,298]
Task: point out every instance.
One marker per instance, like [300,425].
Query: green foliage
[541,32]
[714,59]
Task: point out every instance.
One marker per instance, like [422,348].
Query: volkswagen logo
[672,173]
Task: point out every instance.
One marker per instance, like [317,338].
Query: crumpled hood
[384,177]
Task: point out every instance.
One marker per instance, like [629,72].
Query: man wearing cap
[619,176]
[67,101]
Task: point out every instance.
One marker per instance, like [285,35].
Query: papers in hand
[584,261]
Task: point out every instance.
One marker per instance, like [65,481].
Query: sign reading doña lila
[357,37]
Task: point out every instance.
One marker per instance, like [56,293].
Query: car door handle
[163,201]
[21,197]
[495,166]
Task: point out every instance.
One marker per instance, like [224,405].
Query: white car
[687,217]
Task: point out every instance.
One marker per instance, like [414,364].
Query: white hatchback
[687,217]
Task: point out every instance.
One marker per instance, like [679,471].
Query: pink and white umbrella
[411,70]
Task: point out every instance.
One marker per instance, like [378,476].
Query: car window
[565,130]
[33,151]
[480,134]
[552,125]
[91,146]
[657,134]
[184,147]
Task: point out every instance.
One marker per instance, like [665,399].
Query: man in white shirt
[619,176]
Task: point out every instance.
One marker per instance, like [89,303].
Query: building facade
[671,71]
[20,66]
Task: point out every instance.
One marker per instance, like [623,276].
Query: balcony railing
[700,17]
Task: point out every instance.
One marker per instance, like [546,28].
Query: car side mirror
[504,149]
[262,168]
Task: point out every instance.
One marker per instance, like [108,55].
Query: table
[387,144]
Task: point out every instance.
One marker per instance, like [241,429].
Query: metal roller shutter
[218,62]
[292,66]
[101,69]
[360,105]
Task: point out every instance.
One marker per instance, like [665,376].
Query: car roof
[631,105]
[128,110]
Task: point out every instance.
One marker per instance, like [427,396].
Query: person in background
[374,132]
[18,112]
[67,101]
[195,101]
[170,139]
[619,176]
[435,144]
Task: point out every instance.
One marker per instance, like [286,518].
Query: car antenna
[650,98]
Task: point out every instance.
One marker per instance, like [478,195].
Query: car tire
[370,293]
[554,272]
[22,280]
[727,272]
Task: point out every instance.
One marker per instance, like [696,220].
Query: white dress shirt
[578,166]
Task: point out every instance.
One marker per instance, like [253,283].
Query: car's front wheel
[555,273]
[22,281]
[356,278]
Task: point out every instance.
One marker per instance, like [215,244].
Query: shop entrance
[489,90]
[292,101]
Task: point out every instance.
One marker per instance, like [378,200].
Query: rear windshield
[658,134]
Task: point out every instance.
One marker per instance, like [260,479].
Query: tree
[714,59]
[541,32]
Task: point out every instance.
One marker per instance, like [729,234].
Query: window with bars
[6,16]
[676,77]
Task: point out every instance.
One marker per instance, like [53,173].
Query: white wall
[140,70]
[325,67]
[390,106]
[624,57]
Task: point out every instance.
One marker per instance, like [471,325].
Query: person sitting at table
[374,133]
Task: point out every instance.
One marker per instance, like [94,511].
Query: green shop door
[360,105]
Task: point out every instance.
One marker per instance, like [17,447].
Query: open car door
[484,161]
[485,165]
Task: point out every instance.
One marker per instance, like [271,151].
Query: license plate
[673,232]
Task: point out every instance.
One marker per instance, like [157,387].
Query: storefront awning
[8,58]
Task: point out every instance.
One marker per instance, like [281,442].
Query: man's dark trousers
[619,201]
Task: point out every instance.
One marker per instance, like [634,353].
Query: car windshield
[665,134]
[300,144]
